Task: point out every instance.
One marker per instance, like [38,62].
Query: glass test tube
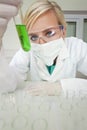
[22,31]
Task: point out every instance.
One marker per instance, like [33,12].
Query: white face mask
[49,51]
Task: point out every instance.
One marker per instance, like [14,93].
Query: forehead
[46,20]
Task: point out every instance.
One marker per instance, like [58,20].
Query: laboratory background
[76,16]
[75,12]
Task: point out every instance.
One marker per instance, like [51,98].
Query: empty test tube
[22,31]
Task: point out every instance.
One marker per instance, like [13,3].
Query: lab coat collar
[42,70]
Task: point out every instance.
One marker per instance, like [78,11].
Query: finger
[35,90]
[7,11]
[11,2]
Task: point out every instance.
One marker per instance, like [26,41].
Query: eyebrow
[31,34]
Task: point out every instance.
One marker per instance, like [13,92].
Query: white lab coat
[72,59]
[8,81]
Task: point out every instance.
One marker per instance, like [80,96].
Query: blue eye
[50,33]
[33,37]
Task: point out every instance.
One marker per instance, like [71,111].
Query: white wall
[65,4]
[10,39]
[73,4]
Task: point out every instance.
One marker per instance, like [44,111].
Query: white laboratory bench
[36,108]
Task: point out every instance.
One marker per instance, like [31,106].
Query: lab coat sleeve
[8,82]
[82,57]
[20,64]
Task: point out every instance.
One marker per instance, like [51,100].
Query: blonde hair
[38,8]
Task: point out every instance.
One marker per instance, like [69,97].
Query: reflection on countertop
[65,110]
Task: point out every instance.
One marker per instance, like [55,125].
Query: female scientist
[52,55]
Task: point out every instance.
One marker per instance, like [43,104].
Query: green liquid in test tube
[22,32]
[23,36]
